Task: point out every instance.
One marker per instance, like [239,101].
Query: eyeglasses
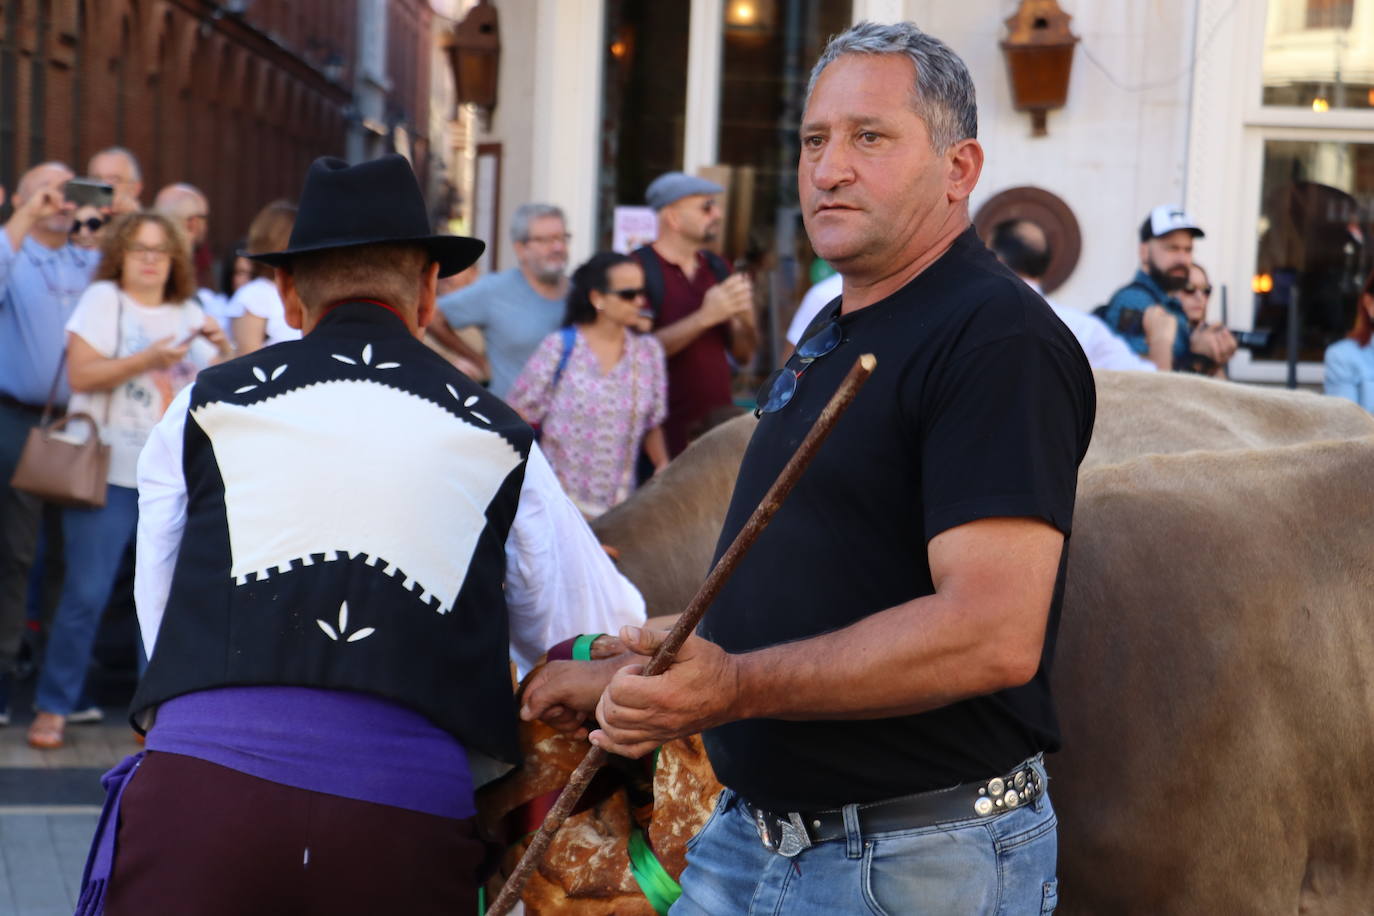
[627,295]
[1191,290]
[782,384]
[564,237]
[144,251]
[92,225]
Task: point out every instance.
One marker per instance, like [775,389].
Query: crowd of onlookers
[107,310]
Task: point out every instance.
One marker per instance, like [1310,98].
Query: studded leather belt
[790,832]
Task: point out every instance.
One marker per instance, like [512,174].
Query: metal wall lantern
[1039,52]
[474,55]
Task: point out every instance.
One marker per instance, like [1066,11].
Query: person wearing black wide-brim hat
[343,542]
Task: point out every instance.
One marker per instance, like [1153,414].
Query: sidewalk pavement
[49,803]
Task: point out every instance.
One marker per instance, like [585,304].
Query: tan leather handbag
[61,471]
[57,469]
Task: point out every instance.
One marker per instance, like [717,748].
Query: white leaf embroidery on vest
[472,399]
[329,631]
[355,468]
[262,377]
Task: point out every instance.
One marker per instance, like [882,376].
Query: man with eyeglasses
[703,314]
[41,277]
[873,681]
[518,307]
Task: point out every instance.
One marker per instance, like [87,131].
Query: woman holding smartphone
[136,338]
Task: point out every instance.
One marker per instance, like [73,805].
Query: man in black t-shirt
[873,681]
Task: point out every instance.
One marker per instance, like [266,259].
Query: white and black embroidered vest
[349,497]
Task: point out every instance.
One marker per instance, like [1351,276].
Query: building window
[1315,240]
[1319,54]
[768,51]
[644,101]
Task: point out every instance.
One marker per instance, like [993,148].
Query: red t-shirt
[698,374]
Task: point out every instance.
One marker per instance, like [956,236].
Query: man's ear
[291,300]
[965,165]
[429,291]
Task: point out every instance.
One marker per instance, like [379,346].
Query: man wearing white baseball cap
[1148,315]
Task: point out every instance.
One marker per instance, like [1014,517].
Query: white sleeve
[1107,351]
[559,582]
[161,516]
[816,298]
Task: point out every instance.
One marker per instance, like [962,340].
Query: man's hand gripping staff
[639,722]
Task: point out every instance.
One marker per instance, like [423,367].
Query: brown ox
[1215,665]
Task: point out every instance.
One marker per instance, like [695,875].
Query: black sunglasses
[1205,290]
[93,224]
[627,295]
[782,384]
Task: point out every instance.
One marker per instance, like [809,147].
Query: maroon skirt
[201,839]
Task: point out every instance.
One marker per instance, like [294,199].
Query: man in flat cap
[703,315]
[342,542]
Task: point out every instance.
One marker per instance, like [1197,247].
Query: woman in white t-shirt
[260,318]
[136,338]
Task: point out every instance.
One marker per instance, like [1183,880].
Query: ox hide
[1215,664]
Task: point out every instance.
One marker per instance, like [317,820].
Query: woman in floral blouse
[610,395]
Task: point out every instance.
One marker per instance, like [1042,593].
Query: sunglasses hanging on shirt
[782,384]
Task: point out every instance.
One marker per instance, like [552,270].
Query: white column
[567,113]
[705,37]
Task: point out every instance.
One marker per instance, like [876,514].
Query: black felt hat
[371,203]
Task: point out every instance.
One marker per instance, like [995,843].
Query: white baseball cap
[1168,218]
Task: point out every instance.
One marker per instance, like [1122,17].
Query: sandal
[46,732]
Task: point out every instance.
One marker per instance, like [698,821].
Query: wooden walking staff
[582,776]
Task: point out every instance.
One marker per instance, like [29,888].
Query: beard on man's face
[1170,281]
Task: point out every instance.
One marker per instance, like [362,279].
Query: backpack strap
[569,335]
[717,264]
[653,277]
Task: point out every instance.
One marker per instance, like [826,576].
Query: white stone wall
[1114,151]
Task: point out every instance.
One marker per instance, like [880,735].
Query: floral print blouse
[593,423]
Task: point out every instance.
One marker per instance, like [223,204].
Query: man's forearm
[677,336]
[17,228]
[744,339]
[915,657]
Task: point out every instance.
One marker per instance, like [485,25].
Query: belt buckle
[785,837]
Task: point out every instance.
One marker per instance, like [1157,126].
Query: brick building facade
[236,97]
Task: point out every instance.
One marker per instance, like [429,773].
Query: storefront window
[644,101]
[1315,238]
[766,59]
[1319,54]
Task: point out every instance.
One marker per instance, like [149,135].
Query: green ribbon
[582,646]
[658,886]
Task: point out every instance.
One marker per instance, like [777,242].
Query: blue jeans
[1004,865]
[95,541]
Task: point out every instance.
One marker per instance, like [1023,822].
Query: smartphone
[87,192]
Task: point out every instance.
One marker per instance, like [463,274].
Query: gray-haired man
[873,681]
[518,307]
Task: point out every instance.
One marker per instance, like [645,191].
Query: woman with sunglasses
[86,225]
[1350,361]
[597,389]
[136,338]
[1211,346]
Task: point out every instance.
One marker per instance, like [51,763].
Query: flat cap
[671,187]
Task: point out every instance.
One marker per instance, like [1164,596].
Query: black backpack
[653,274]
